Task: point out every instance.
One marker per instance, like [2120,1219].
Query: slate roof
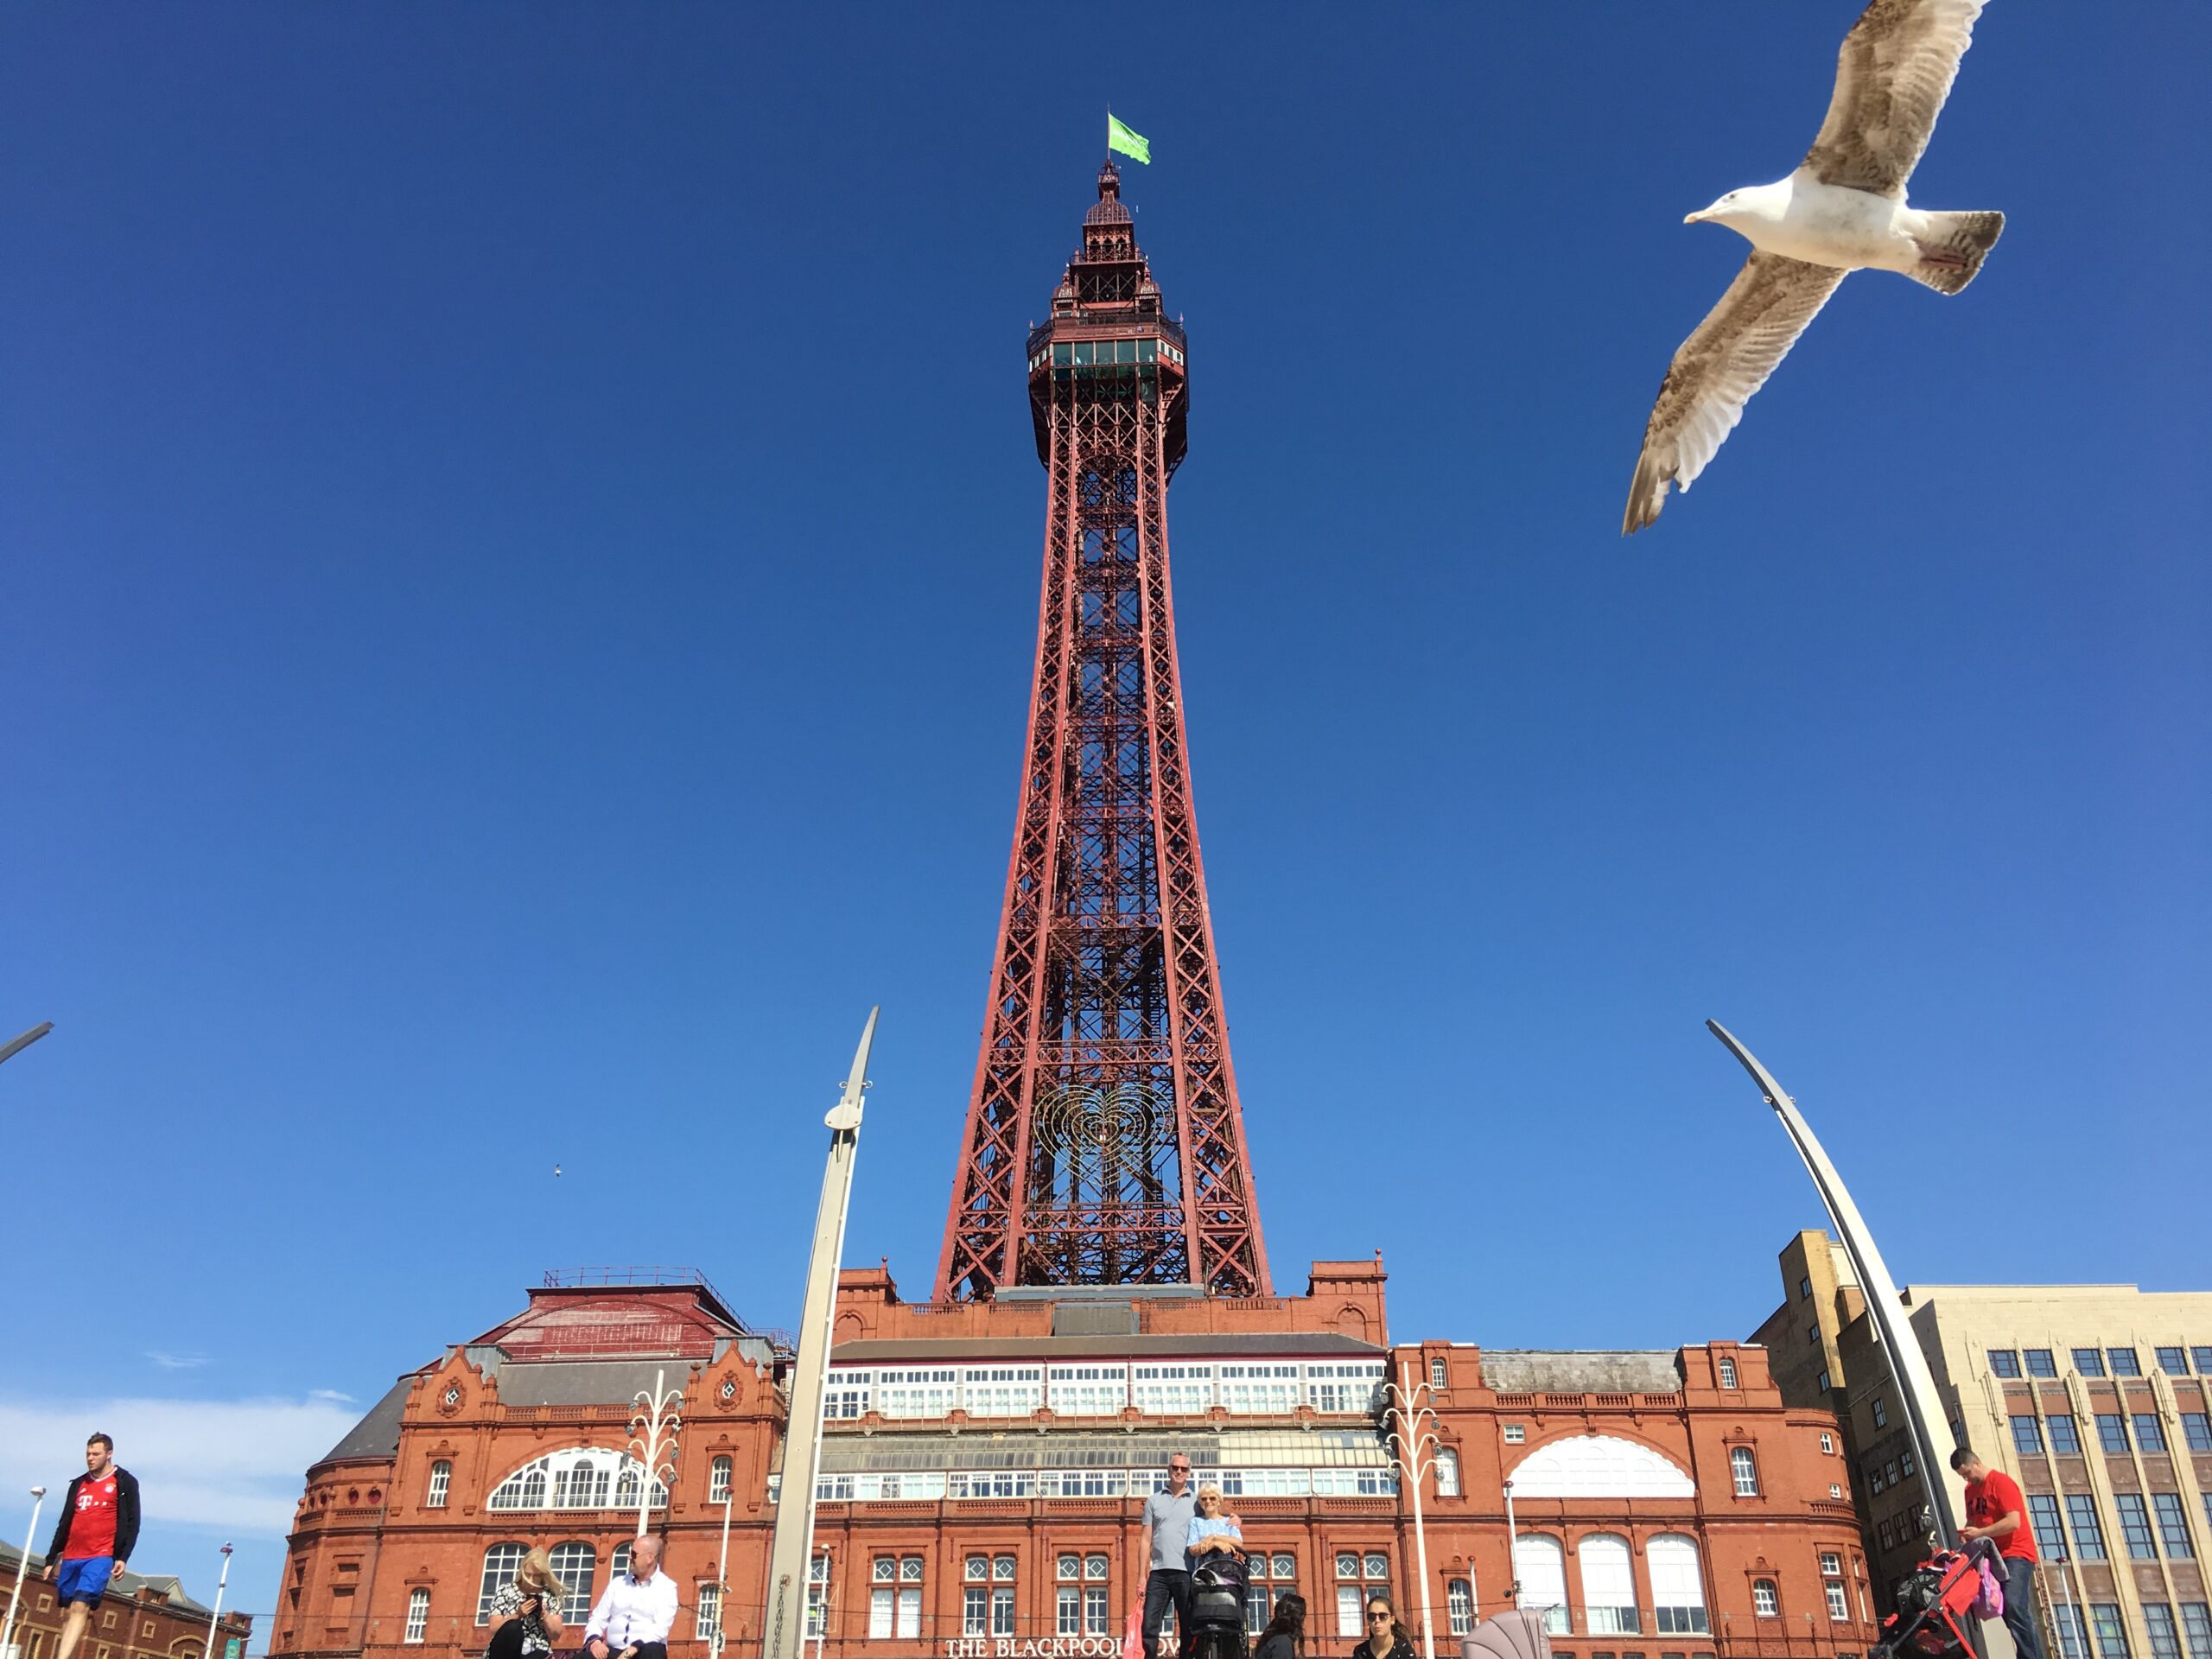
[376,1435]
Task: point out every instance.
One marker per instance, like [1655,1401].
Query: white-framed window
[1516,1433]
[1172,1390]
[846,1395]
[1259,1390]
[1764,1601]
[817,1597]
[976,1610]
[1834,1490]
[1677,1586]
[917,1393]
[1437,1372]
[418,1615]
[882,1597]
[619,1562]
[1069,1611]
[910,1597]
[1002,1609]
[718,1479]
[1267,1578]
[1838,1608]
[1088,1390]
[1827,1445]
[976,1568]
[441,1484]
[1540,1565]
[706,1614]
[1002,1390]
[1459,1605]
[1345,1386]
[1448,1472]
[580,1477]
[1831,1564]
[501,1563]
[1745,1469]
[1608,1586]
[575,1564]
[1004,1568]
[1360,1574]
[1097,1613]
[1727,1372]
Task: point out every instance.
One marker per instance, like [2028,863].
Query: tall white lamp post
[722,1565]
[216,1618]
[652,1439]
[790,1558]
[30,1538]
[1414,1457]
[1512,1547]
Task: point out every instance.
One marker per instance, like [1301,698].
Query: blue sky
[520,540]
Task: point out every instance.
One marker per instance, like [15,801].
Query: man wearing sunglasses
[1166,1526]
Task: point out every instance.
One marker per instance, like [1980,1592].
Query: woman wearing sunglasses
[1386,1637]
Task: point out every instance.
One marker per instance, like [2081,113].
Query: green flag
[1130,143]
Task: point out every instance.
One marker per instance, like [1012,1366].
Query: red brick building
[143,1616]
[983,1476]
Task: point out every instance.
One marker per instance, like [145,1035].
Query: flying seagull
[1842,210]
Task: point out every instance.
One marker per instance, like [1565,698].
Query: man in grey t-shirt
[1166,1530]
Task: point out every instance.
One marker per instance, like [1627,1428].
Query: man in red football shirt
[1995,1510]
[95,1536]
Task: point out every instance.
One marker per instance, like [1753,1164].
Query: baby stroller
[1934,1616]
[1217,1608]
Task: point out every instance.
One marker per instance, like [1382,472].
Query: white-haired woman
[1211,1528]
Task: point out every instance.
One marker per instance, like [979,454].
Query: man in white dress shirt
[637,1610]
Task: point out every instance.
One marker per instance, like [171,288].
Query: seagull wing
[1892,77]
[1718,369]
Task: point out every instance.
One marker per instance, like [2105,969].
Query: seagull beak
[1697,218]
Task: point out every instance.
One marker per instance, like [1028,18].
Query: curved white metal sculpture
[1908,1365]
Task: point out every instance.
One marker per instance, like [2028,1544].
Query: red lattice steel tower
[1105,1143]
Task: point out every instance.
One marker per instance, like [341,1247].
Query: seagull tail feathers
[1953,247]
[1647,493]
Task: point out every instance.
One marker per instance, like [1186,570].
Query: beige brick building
[2096,1398]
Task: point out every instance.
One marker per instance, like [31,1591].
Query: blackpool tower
[1104,1144]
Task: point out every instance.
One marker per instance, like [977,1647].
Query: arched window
[1745,1468]
[1677,1586]
[718,1480]
[1541,1566]
[1608,1586]
[1459,1601]
[1764,1602]
[441,1484]
[580,1477]
[1600,1466]
[501,1563]
[574,1564]
[1727,1372]
[619,1563]
[1448,1472]
[418,1615]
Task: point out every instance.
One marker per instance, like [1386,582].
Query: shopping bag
[1133,1634]
[1989,1598]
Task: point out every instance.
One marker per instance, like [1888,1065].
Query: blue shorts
[84,1580]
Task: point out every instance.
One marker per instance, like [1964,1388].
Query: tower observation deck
[1104,1142]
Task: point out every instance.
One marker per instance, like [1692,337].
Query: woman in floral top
[526,1613]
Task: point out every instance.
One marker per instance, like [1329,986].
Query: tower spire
[1104,1141]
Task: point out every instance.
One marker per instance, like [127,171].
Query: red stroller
[1935,1617]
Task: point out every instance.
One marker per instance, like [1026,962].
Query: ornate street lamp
[1413,1455]
[653,1426]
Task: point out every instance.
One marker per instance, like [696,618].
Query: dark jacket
[1400,1649]
[126,1517]
[1278,1646]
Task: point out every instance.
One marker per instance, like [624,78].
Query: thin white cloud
[237,1464]
[170,1361]
[335,1396]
